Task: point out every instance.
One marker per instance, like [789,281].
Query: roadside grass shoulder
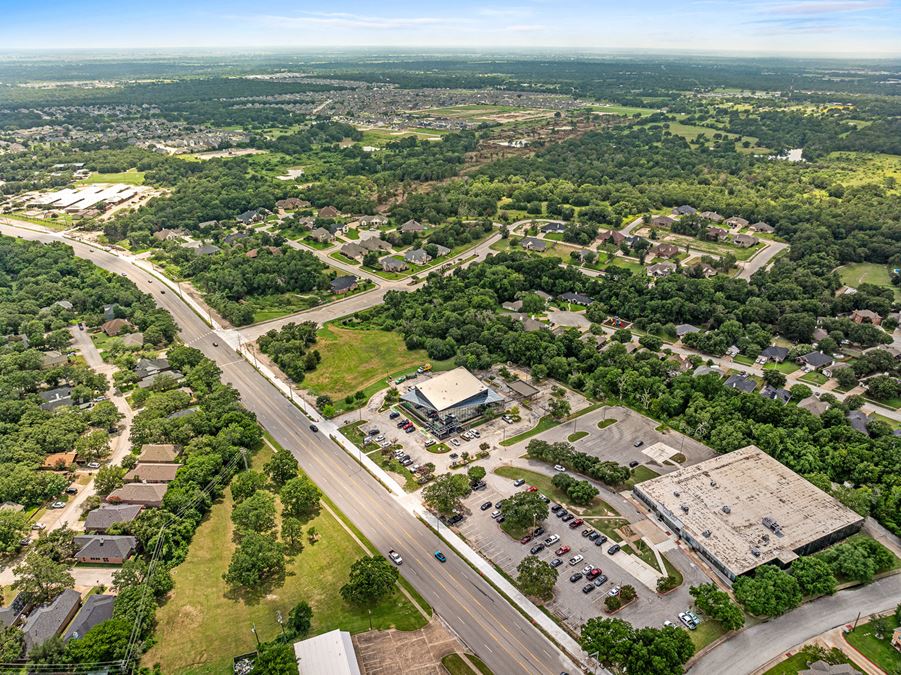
[878,650]
[801,660]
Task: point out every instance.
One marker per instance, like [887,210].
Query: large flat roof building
[450,399]
[743,509]
[331,653]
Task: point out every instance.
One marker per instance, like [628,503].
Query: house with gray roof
[576,298]
[207,249]
[153,472]
[56,398]
[104,517]
[321,235]
[343,284]
[533,244]
[417,257]
[96,609]
[158,452]
[14,610]
[144,494]
[858,421]
[684,329]
[774,353]
[685,210]
[662,269]
[353,250]
[814,406]
[53,358]
[741,382]
[762,227]
[776,394]
[440,250]
[553,228]
[816,360]
[374,244]
[48,621]
[745,240]
[392,264]
[104,548]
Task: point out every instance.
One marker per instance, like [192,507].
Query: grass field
[200,628]
[878,651]
[705,633]
[545,423]
[814,377]
[381,137]
[355,359]
[868,273]
[130,177]
[798,662]
[457,666]
[640,474]
[57,224]
[623,110]
[572,438]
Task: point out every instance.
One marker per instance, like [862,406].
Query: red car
[532,488]
[563,550]
[576,523]
[593,573]
[526,539]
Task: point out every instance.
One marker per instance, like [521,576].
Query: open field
[353,359]
[879,651]
[860,168]
[202,627]
[623,110]
[798,662]
[378,137]
[130,177]
[484,113]
[868,273]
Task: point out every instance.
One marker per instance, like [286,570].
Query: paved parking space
[617,441]
[570,603]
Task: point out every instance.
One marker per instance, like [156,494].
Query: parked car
[440,557]
[518,482]
[553,539]
[559,468]
[601,580]
[393,415]
[587,569]
[613,592]
[500,520]
[537,548]
[556,508]
[575,523]
[613,549]
[592,535]
[601,540]
[526,539]
[668,624]
[485,506]
[556,562]
[456,443]
[454,519]
[538,531]
[38,527]
[402,424]
[563,550]
[58,505]
[410,429]
[544,499]
[573,578]
[429,443]
[568,517]
[685,619]
[480,485]
[532,488]
[587,588]
[594,573]
[586,532]
[694,617]
[395,557]
[638,444]
[576,559]
[71,490]
[633,463]
[495,514]
[93,465]
[453,455]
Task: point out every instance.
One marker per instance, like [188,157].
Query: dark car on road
[575,577]
[485,506]
[613,549]
[601,580]
[537,548]
[587,588]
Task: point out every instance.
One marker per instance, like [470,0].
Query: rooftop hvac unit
[755,552]
[726,509]
[676,493]
[765,538]
[706,533]
[685,508]
[713,483]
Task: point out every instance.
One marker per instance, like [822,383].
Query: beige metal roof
[448,389]
[331,653]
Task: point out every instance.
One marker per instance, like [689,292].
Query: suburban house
[661,269]
[56,398]
[700,371]
[412,226]
[146,367]
[514,306]
[133,340]
[102,548]
[662,221]
[152,473]
[553,228]
[59,461]
[611,236]
[254,252]
[866,316]
[816,360]
[371,221]
[417,257]
[321,235]
[684,329]
[745,240]
[158,452]
[441,250]
[343,284]
[392,264]
[716,233]
[576,298]
[327,212]
[685,210]
[292,203]
[762,227]
[252,216]
[736,221]
[741,382]
[207,249]
[104,517]
[712,216]
[166,234]
[814,406]
[11,614]
[544,296]
[142,494]
[774,353]
[96,609]
[374,244]
[665,251]
[48,621]
[235,237]
[533,244]
[115,326]
[353,251]
[858,421]
[704,270]
[776,394]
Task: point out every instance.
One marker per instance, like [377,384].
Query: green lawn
[814,377]
[623,110]
[598,507]
[354,359]
[640,474]
[201,627]
[878,651]
[798,662]
[603,424]
[130,177]
[456,666]
[545,423]
[705,633]
[869,273]
[786,367]
[572,438]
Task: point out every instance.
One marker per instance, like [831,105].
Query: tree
[476,473]
[93,445]
[650,651]
[814,576]
[257,560]
[858,560]
[525,509]
[300,619]
[41,579]
[667,583]
[105,642]
[774,378]
[104,415]
[846,377]
[50,652]
[246,483]
[109,478]
[445,492]
[58,545]
[372,578]
[292,531]
[582,492]
[650,342]
[13,526]
[281,468]
[300,496]
[770,592]
[134,572]
[883,387]
[558,408]
[256,513]
[10,643]
[609,640]
[717,605]
[275,658]
[536,577]
[799,392]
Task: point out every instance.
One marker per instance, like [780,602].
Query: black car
[556,508]
[613,549]
[587,588]
[568,517]
[544,499]
[500,504]
[587,531]
[633,464]
[601,540]
[401,424]
[556,562]
[537,548]
[485,506]
[593,535]
[480,485]
[575,577]
[538,532]
[500,519]
[314,428]
[393,415]
[638,444]
[454,519]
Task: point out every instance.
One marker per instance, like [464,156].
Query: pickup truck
[395,557]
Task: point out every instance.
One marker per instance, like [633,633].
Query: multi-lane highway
[485,621]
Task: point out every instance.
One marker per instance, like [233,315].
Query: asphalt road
[485,621]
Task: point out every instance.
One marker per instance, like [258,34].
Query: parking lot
[570,603]
[617,441]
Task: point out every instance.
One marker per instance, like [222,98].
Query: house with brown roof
[152,473]
[392,264]
[143,494]
[104,517]
[328,212]
[762,227]
[612,237]
[662,221]
[716,233]
[665,250]
[661,269]
[736,221]
[254,252]
[712,216]
[745,240]
[158,453]
[115,326]
[866,316]
[412,226]
[321,235]
[59,461]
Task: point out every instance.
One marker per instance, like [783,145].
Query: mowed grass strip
[202,626]
[354,359]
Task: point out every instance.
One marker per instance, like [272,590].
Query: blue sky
[826,27]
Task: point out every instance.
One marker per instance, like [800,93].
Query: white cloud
[354,21]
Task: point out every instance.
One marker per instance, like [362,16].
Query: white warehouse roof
[327,654]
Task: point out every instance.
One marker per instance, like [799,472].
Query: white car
[576,559]
[38,527]
[395,557]
[684,618]
[496,514]
[559,468]
[587,569]
[553,539]
[455,442]
[93,465]
[58,505]
[613,591]
[668,624]
[475,432]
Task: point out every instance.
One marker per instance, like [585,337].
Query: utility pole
[253,629]
[281,622]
